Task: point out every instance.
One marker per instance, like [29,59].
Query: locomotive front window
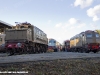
[89,35]
[97,35]
[54,41]
[0,39]
[50,41]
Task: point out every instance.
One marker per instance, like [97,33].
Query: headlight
[18,44]
[9,45]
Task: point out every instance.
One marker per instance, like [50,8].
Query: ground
[69,66]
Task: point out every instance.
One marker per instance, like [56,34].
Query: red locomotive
[66,45]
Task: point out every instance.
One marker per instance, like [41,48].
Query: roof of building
[3,24]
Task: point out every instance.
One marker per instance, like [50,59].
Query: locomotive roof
[4,24]
[52,39]
[38,28]
[17,29]
[71,38]
[28,24]
[75,37]
[81,33]
[66,40]
[88,31]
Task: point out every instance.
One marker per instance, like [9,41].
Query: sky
[59,19]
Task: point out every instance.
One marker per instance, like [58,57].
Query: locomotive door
[83,39]
[94,37]
[0,40]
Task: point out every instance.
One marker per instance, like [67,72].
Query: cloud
[95,18]
[73,27]
[58,25]
[81,25]
[94,26]
[94,12]
[66,25]
[72,21]
[83,3]
[76,22]
[66,29]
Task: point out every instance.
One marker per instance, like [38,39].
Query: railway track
[4,58]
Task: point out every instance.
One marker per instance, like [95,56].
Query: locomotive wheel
[34,50]
[31,50]
[20,51]
[75,50]
[95,51]
[70,50]
[82,50]
[39,51]
[79,50]
[45,51]
[11,52]
[42,50]
[87,51]
[25,50]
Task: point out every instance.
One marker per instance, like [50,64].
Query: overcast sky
[59,19]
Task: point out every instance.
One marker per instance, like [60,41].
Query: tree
[98,31]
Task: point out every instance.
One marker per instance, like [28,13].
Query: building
[3,27]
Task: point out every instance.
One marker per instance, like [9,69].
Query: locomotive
[25,38]
[66,45]
[85,42]
[2,43]
[52,44]
[2,39]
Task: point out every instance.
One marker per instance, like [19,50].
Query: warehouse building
[3,27]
